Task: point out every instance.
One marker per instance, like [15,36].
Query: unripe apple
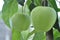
[20,22]
[43,18]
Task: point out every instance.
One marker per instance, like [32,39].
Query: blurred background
[5,32]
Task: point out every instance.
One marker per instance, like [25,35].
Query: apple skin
[43,18]
[20,22]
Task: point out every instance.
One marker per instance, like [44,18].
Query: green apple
[20,22]
[43,18]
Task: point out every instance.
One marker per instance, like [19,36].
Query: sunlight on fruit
[20,22]
[43,18]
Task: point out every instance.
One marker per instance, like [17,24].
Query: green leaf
[16,35]
[31,33]
[39,36]
[58,38]
[37,2]
[7,1]
[8,10]
[28,2]
[58,9]
[25,34]
[56,34]
[53,4]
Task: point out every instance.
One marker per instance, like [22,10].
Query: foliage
[11,8]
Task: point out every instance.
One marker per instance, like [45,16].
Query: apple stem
[22,9]
[44,3]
